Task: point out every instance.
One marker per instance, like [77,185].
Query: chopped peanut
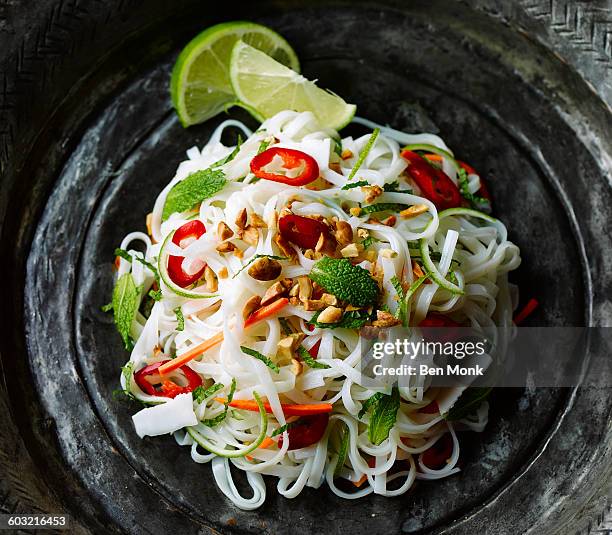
[371,193]
[330,315]
[363,233]
[352,250]
[294,291]
[265,269]
[257,221]
[416,270]
[335,166]
[356,211]
[250,235]
[413,211]
[284,246]
[329,299]
[149,222]
[296,367]
[311,305]
[273,293]
[223,231]
[344,233]
[241,219]
[388,253]
[288,346]
[211,280]
[370,255]
[222,274]
[272,220]
[225,247]
[346,154]
[305,288]
[385,319]
[326,244]
[251,306]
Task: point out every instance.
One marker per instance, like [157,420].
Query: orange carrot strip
[364,477]
[267,311]
[197,350]
[265,443]
[433,157]
[288,409]
[528,309]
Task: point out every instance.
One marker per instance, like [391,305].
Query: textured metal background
[40,38]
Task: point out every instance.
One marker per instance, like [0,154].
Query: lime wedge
[200,86]
[264,87]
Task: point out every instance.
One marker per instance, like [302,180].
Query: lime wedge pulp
[265,86]
[200,86]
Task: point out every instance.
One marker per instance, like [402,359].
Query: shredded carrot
[288,409]
[267,311]
[197,350]
[528,309]
[433,157]
[117,262]
[363,478]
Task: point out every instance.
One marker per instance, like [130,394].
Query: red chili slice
[314,350]
[436,456]
[434,183]
[303,231]
[450,333]
[292,159]
[192,229]
[306,431]
[438,320]
[167,389]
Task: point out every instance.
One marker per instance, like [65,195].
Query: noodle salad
[266,266]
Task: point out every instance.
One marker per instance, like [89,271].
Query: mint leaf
[343,451]
[384,415]
[383,207]
[230,156]
[262,357]
[193,190]
[200,393]
[126,300]
[475,200]
[281,429]
[127,371]
[311,362]
[368,241]
[366,150]
[401,311]
[337,146]
[156,295]
[394,187]
[180,319]
[372,400]
[263,146]
[469,401]
[357,184]
[211,422]
[347,282]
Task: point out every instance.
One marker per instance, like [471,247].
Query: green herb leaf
[371,401]
[256,257]
[401,311]
[347,282]
[311,362]
[126,300]
[200,393]
[127,256]
[475,200]
[357,184]
[469,401]
[193,190]
[354,319]
[394,187]
[260,356]
[285,326]
[383,207]
[263,146]
[106,308]
[156,295]
[230,156]
[211,422]
[127,372]
[367,242]
[337,146]
[384,415]
[281,429]
[180,319]
[343,451]
[366,150]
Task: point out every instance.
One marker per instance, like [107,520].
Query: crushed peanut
[326,244]
[388,253]
[222,274]
[352,250]
[329,299]
[250,235]
[296,367]
[385,319]
[363,233]
[211,279]
[413,211]
[251,306]
[284,246]
[416,270]
[389,221]
[225,247]
[356,211]
[346,154]
[288,346]
[241,219]
[344,233]
[273,293]
[265,269]
[331,314]
[257,221]
[305,288]
[223,231]
[371,193]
